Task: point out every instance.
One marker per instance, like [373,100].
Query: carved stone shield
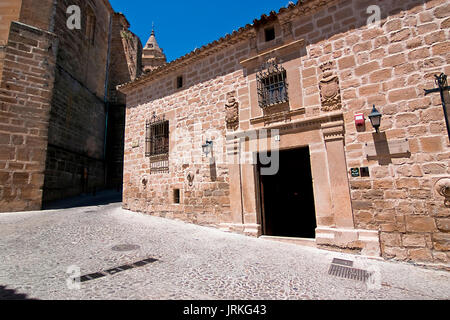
[330,94]
[232,111]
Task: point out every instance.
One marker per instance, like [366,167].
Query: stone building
[61,118]
[202,132]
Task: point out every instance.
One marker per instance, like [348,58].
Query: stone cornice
[332,121]
[286,47]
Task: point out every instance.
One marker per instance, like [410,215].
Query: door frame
[259,188]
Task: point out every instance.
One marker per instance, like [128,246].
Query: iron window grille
[157,137]
[272,84]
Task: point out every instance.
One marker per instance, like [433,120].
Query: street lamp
[207,148]
[375,118]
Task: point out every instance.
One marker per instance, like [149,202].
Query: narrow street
[174,260]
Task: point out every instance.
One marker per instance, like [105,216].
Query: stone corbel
[333,130]
[442,187]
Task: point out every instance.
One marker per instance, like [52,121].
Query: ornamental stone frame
[323,134]
[325,137]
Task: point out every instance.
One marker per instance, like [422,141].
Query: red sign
[359,119]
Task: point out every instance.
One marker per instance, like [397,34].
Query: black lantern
[375,118]
[207,148]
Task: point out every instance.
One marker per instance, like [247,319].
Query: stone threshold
[297,241]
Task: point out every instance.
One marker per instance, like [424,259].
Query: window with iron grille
[272,84]
[157,143]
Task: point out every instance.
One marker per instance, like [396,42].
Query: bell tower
[153,56]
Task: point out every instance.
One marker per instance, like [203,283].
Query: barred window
[272,84]
[157,143]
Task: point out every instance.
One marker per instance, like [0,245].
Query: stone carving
[190,177]
[442,187]
[232,111]
[330,93]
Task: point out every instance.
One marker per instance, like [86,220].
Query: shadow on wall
[11,294]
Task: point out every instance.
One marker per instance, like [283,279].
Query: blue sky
[182,26]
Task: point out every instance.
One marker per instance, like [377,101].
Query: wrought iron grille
[272,85]
[157,137]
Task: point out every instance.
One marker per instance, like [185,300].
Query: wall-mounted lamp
[375,118]
[208,147]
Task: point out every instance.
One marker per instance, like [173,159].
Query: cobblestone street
[193,262]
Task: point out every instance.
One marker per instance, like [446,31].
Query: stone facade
[57,103]
[337,65]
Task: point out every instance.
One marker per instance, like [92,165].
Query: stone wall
[9,11]
[125,65]
[70,114]
[38,13]
[78,115]
[390,67]
[125,62]
[25,99]
[76,139]
[387,65]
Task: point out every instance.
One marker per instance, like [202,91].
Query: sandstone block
[420,224]
[422,254]
[443,224]
[413,240]
[431,144]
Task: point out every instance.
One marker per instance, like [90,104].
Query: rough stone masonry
[375,194]
[61,118]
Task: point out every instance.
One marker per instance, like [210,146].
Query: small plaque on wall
[135,144]
[387,149]
[365,172]
[354,172]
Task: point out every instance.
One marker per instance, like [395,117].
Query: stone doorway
[287,198]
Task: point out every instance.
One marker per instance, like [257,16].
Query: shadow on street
[11,294]
[86,200]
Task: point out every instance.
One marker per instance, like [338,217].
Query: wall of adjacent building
[9,11]
[60,78]
[25,103]
[78,115]
[388,66]
[87,113]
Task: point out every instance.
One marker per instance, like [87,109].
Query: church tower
[153,56]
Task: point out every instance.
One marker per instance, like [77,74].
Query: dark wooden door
[287,198]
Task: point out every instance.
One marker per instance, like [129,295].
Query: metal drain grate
[113,271]
[343,269]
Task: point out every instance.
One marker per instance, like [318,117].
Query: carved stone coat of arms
[330,93]
[232,111]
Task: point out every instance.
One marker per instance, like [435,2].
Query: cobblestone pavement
[196,263]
